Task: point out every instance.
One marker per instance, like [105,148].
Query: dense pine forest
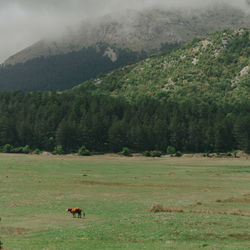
[195,98]
[107,124]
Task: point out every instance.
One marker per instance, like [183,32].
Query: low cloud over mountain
[23,22]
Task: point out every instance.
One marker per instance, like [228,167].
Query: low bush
[58,150]
[83,151]
[235,153]
[7,148]
[171,150]
[147,153]
[178,154]
[37,151]
[17,150]
[156,153]
[26,149]
[126,151]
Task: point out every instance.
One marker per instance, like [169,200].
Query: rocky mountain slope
[217,66]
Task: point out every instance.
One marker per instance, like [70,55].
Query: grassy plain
[117,193]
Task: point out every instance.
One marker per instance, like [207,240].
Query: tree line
[102,123]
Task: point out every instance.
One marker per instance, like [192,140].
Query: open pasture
[208,202]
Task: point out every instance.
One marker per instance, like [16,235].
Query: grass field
[116,194]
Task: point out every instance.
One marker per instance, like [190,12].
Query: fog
[23,22]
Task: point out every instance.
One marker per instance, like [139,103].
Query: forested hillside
[195,98]
[63,71]
[216,66]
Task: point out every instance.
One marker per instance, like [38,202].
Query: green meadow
[207,202]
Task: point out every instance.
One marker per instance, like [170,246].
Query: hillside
[99,46]
[217,66]
[195,98]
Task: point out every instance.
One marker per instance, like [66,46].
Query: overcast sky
[23,22]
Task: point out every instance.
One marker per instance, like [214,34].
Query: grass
[206,202]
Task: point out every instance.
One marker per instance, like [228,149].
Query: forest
[63,71]
[103,123]
[195,98]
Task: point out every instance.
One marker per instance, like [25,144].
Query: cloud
[23,22]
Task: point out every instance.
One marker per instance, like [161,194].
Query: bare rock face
[146,30]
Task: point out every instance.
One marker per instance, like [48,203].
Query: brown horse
[76,210]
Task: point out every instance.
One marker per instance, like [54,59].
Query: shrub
[7,148]
[26,149]
[126,151]
[171,150]
[83,151]
[147,153]
[178,154]
[37,151]
[1,244]
[58,150]
[17,150]
[229,154]
[156,153]
[235,153]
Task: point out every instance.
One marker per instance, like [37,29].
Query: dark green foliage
[7,148]
[171,150]
[105,124]
[147,153]
[64,71]
[83,151]
[178,154]
[1,244]
[58,150]
[26,149]
[155,153]
[125,151]
[37,151]
[235,153]
[17,150]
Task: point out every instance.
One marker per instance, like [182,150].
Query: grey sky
[23,22]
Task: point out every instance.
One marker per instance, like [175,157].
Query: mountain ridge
[216,64]
[139,30]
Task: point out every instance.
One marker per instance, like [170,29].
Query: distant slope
[195,98]
[110,42]
[217,66]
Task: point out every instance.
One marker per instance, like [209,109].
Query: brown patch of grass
[160,208]
[240,236]
[13,231]
[122,184]
[235,200]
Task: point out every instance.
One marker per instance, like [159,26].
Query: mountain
[102,45]
[195,98]
[216,66]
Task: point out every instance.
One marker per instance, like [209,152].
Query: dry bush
[160,208]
